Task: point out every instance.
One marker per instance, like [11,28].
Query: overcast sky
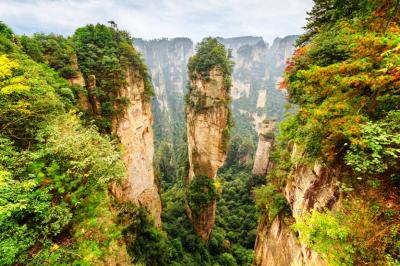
[151,19]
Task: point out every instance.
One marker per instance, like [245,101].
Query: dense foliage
[345,80]
[52,49]
[234,232]
[211,54]
[54,205]
[105,57]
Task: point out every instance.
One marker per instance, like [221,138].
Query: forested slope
[54,171]
[65,184]
[337,159]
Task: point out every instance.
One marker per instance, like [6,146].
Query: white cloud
[160,18]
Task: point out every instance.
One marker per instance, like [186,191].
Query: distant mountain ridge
[258,69]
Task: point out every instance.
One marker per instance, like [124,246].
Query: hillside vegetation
[345,79]
[57,160]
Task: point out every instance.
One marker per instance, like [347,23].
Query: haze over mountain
[257,71]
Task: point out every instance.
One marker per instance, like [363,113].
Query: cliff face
[133,126]
[265,142]
[167,61]
[310,187]
[134,129]
[206,142]
[258,70]
[255,97]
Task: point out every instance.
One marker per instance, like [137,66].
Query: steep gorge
[167,62]
[255,99]
[257,71]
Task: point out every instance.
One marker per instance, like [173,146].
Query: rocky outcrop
[265,142]
[133,126]
[207,121]
[276,245]
[309,187]
[79,80]
[134,129]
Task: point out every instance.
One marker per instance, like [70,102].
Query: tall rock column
[208,121]
[134,129]
[119,92]
[265,142]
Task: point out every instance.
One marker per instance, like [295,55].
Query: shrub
[378,152]
[269,201]
[323,233]
[211,54]
[146,243]
[201,192]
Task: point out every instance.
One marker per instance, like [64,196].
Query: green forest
[344,77]
[63,168]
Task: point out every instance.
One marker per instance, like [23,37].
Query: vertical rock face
[276,245]
[258,70]
[265,142]
[310,187]
[79,80]
[134,129]
[167,61]
[206,127]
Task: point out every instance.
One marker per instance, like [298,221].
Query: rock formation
[265,142]
[134,129]
[258,70]
[206,128]
[310,187]
[133,126]
[206,139]
[208,125]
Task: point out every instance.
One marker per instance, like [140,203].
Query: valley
[119,150]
